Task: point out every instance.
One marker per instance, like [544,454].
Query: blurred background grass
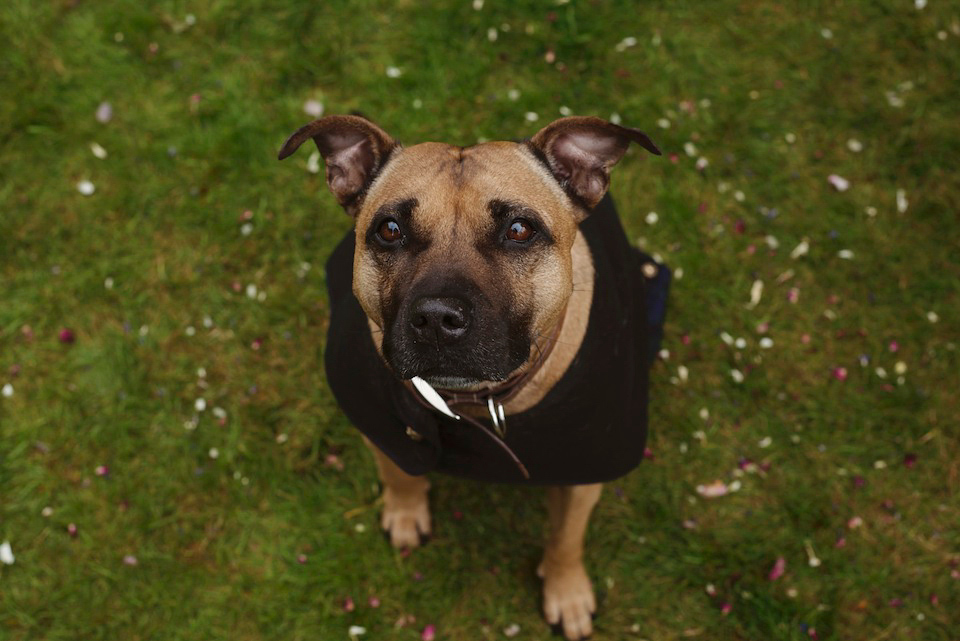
[194,272]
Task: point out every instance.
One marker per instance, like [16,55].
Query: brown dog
[477,282]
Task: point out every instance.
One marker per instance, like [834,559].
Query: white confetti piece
[417,103]
[313,162]
[214,453]
[812,559]
[736,375]
[200,404]
[313,108]
[251,291]
[7,390]
[663,123]
[845,254]
[6,553]
[790,138]
[358,630]
[108,282]
[531,116]
[652,218]
[919,4]
[394,72]
[513,95]
[246,229]
[683,373]
[477,5]
[98,151]
[902,201]
[664,354]
[702,163]
[855,145]
[615,118]
[839,182]
[565,110]
[756,292]
[726,338]
[879,464]
[740,343]
[690,149]
[772,242]
[86,187]
[900,367]
[704,413]
[678,273]
[492,34]
[801,249]
[766,342]
[765,442]
[511,630]
[894,100]
[739,196]
[933,317]
[871,211]
[826,33]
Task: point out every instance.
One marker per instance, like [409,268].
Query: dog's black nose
[442,319]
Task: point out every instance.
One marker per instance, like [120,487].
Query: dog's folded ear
[353,149]
[580,151]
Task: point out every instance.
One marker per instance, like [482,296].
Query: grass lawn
[827,410]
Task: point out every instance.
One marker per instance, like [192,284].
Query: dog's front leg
[567,594]
[406,512]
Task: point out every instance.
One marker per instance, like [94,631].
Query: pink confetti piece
[72,530]
[373,602]
[66,336]
[778,569]
[348,605]
[429,633]
[130,560]
[839,182]
[840,373]
[713,490]
[104,112]
[855,522]
[909,460]
[102,470]
[726,608]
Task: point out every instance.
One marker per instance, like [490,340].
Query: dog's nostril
[454,321]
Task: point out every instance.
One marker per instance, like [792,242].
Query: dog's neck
[567,341]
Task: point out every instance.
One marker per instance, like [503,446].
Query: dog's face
[463,255]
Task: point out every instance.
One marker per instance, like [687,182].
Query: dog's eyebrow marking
[401,209]
[501,209]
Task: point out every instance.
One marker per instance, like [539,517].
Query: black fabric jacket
[591,427]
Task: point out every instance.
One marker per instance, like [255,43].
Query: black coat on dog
[591,426]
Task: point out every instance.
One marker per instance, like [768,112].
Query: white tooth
[431,396]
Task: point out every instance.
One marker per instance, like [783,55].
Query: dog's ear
[580,151]
[353,149]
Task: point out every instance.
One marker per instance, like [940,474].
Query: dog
[489,319]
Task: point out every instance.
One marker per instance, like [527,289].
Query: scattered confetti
[736,375]
[200,404]
[778,569]
[652,218]
[713,490]
[66,336]
[855,145]
[6,553]
[313,108]
[756,291]
[933,317]
[355,631]
[845,254]
[902,203]
[854,523]
[840,373]
[765,442]
[513,95]
[7,390]
[801,249]
[839,183]
[429,633]
[900,367]
[214,453]
[104,112]
[98,151]
[812,559]
[86,187]
[766,342]
[130,560]
[511,630]
[531,116]
[102,470]
[72,529]
[394,72]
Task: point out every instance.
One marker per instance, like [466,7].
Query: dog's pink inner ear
[581,151]
[353,149]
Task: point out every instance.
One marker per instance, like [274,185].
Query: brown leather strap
[498,394]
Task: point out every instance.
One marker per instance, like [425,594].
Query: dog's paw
[568,601]
[405,519]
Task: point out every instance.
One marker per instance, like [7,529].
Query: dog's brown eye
[520,231]
[389,231]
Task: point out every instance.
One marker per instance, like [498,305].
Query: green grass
[199,114]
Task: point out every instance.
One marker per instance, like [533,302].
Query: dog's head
[463,254]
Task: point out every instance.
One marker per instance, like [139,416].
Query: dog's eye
[520,231]
[389,232]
